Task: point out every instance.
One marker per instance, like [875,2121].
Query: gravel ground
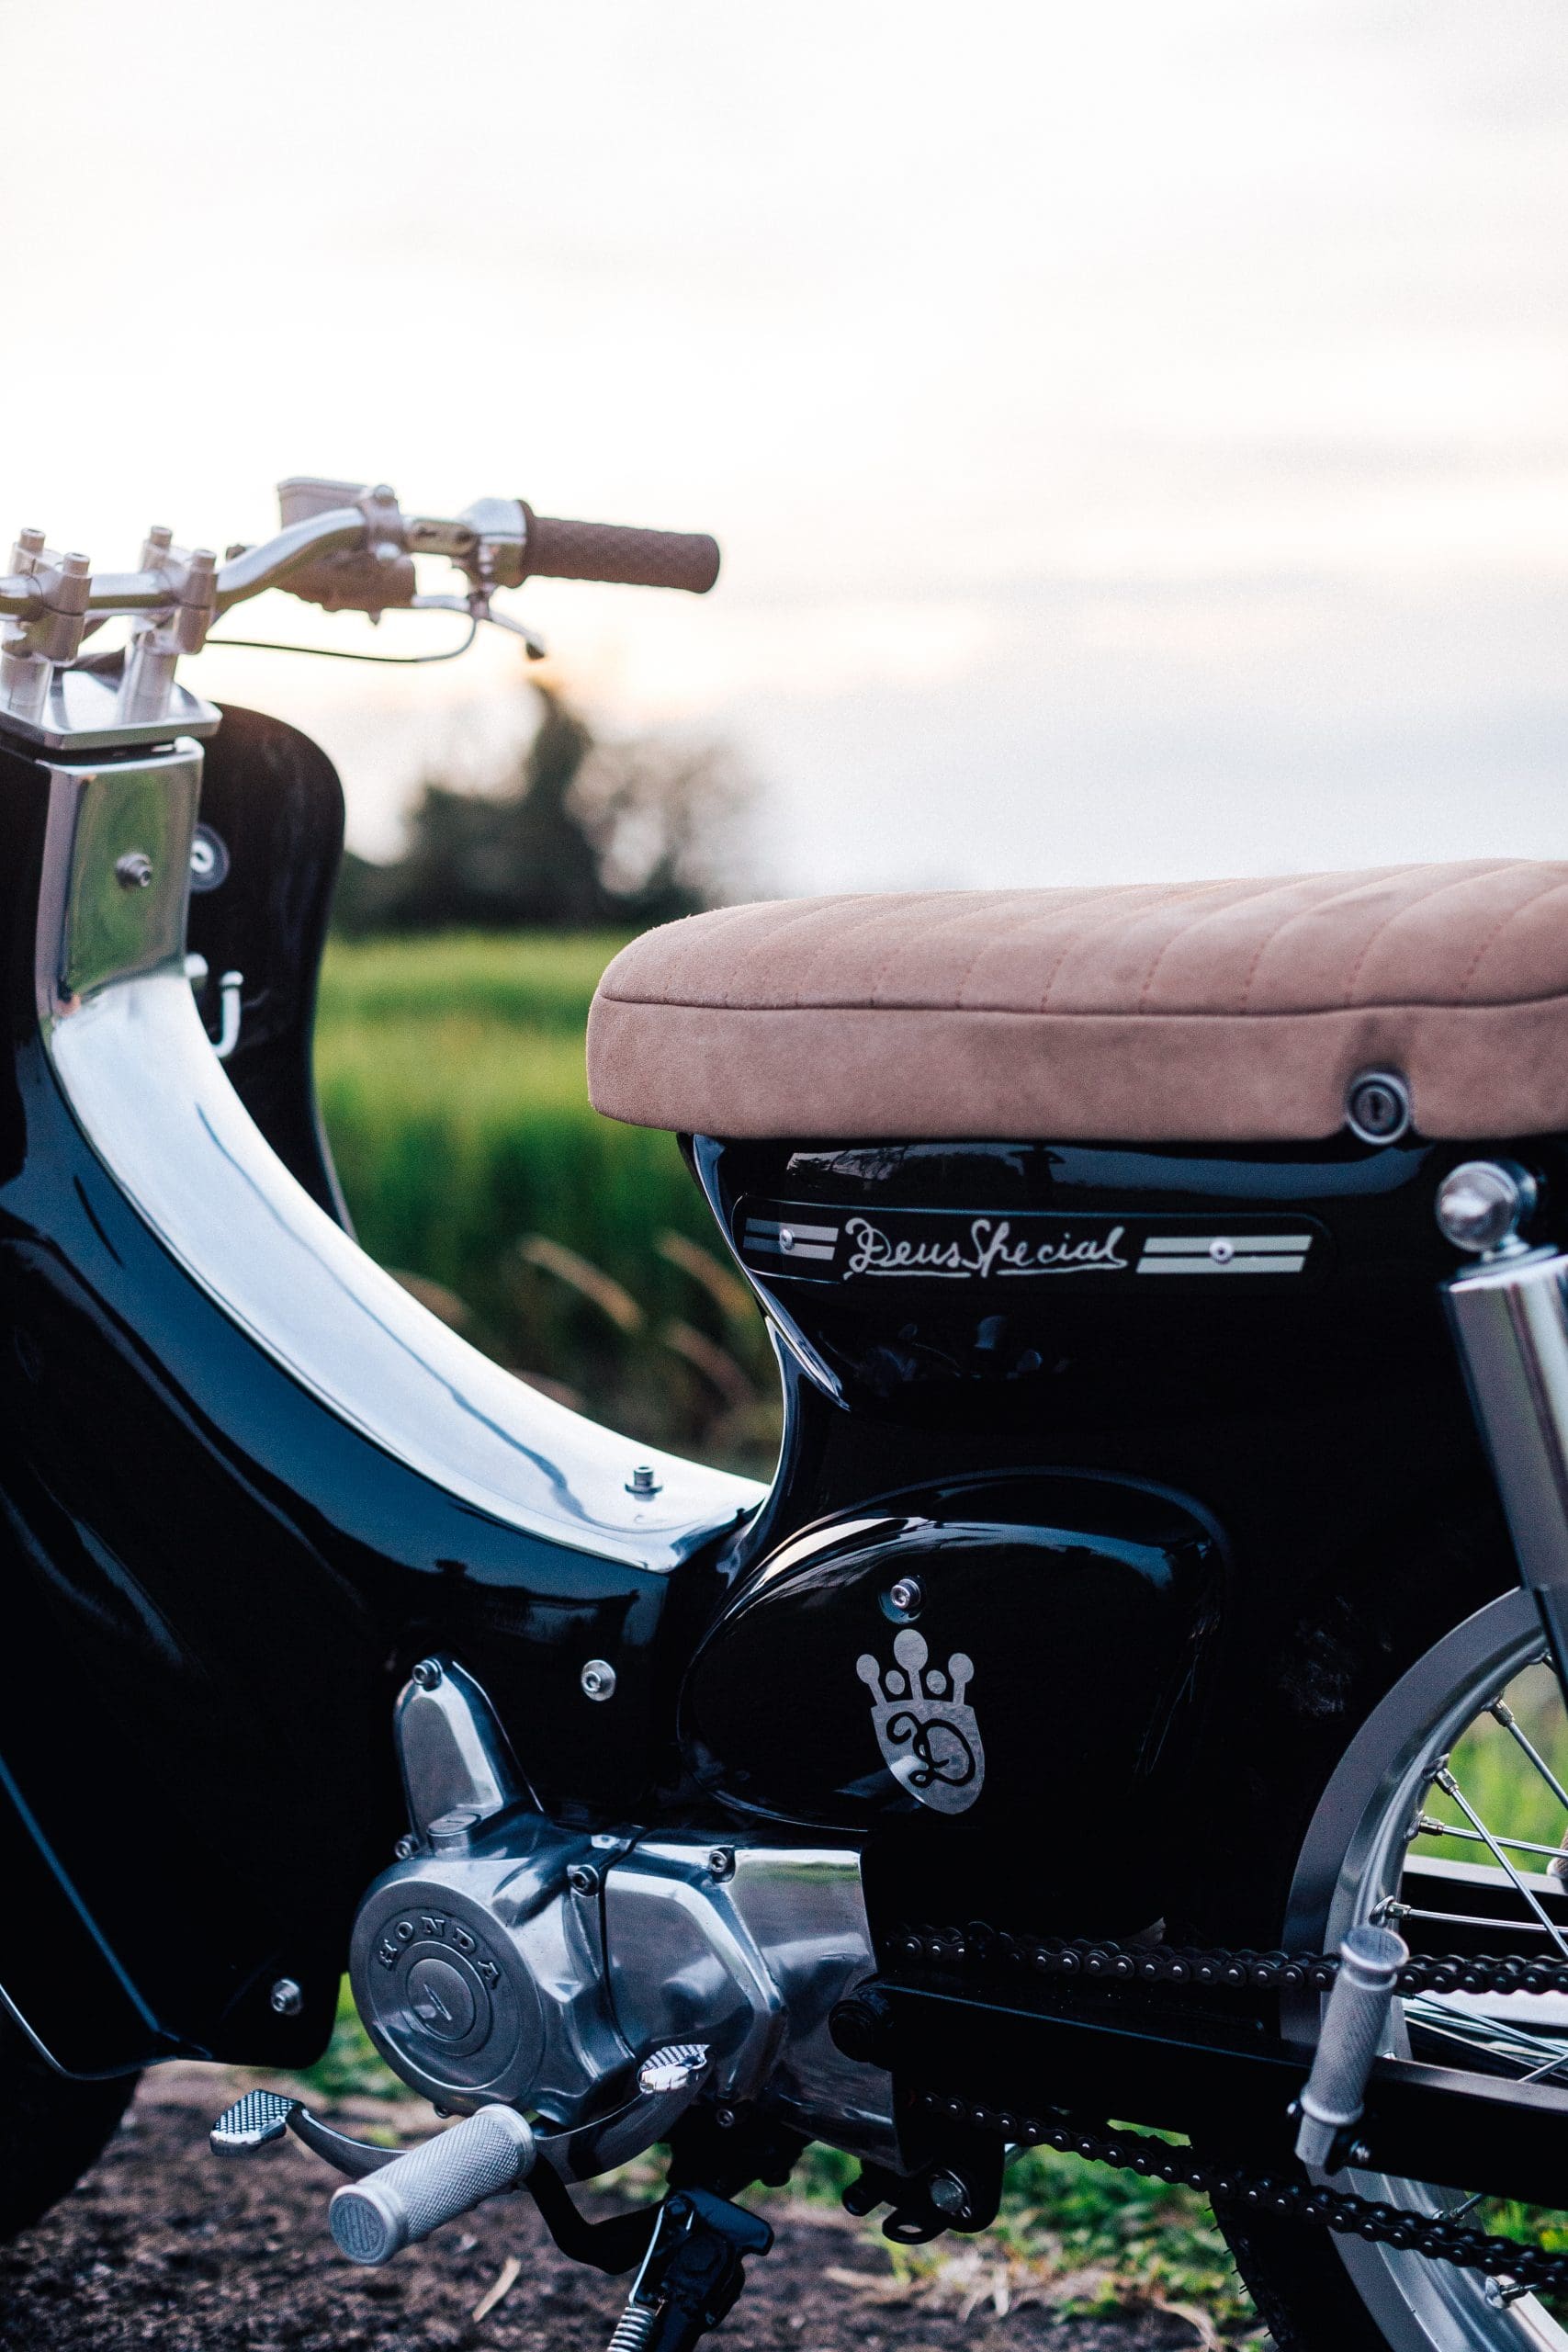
[164,2244]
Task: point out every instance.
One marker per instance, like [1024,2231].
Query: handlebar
[344,547]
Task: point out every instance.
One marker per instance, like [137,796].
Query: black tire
[52,2130]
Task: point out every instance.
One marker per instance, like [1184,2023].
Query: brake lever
[477,608]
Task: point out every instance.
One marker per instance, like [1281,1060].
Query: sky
[1138,436]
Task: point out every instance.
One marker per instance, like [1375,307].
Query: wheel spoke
[1502,1713]
[1451,1788]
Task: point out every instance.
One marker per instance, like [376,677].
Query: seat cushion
[1191,1011]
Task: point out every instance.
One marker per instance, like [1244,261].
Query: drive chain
[1517,2267]
[1103,1961]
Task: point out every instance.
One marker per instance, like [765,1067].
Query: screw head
[721,1862]
[134,870]
[582,1878]
[407,1847]
[643,1480]
[427,1673]
[1360,2153]
[286,1998]
[598,1679]
[1482,1204]
[903,1600]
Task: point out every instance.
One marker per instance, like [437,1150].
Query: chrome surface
[479,1975]
[1354,2022]
[1510,1319]
[750,1963]
[287,1998]
[405,2200]
[1482,1204]
[597,1678]
[82,713]
[136,1066]
[454,1754]
[1376,1107]
[1349,1864]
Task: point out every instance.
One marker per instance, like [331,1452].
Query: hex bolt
[286,1998]
[643,1480]
[950,2194]
[427,1673]
[407,1847]
[598,1679]
[134,870]
[905,1599]
[582,1878]
[721,1862]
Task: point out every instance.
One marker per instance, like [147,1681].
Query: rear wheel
[1485,1704]
[52,2128]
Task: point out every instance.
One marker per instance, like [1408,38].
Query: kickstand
[691,2273]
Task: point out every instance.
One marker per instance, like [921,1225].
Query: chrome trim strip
[136,1067]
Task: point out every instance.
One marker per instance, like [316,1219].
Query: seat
[1233,1012]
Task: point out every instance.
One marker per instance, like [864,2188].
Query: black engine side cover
[1048,1666]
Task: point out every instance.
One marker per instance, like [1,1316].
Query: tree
[586,833]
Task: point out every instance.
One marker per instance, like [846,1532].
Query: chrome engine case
[506,1959]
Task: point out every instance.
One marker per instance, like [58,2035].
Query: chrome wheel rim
[1350,1862]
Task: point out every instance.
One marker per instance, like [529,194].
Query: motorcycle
[1165,1573]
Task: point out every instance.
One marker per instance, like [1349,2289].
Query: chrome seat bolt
[287,1998]
[598,1679]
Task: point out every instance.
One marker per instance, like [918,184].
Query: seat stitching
[1020,922]
[1186,928]
[964,915]
[1160,897]
[1437,890]
[898,906]
[1546,890]
[1339,897]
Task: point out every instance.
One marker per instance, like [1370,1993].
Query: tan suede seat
[1193,1011]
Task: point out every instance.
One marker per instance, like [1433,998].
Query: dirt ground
[166,2244]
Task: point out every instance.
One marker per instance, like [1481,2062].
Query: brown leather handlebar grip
[557,550]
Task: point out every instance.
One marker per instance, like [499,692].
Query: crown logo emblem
[928,1734]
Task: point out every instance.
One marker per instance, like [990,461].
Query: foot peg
[1335,2090]
[371,2219]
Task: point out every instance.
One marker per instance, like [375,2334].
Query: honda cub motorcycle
[1130,1721]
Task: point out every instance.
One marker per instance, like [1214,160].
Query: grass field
[575,1249]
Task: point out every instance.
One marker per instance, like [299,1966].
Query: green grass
[451,1077]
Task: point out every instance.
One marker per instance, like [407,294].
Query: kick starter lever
[1335,2090]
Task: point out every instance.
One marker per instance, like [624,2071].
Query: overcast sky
[1138,435]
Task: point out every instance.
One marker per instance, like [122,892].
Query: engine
[604,1983]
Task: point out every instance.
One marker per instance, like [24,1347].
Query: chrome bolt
[582,1878]
[903,1600]
[949,2194]
[725,2118]
[427,1673]
[32,541]
[407,1847]
[721,1862]
[285,1997]
[134,870]
[787,1239]
[1482,1203]
[1222,1252]
[1360,2153]
[598,1679]
[643,1480]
